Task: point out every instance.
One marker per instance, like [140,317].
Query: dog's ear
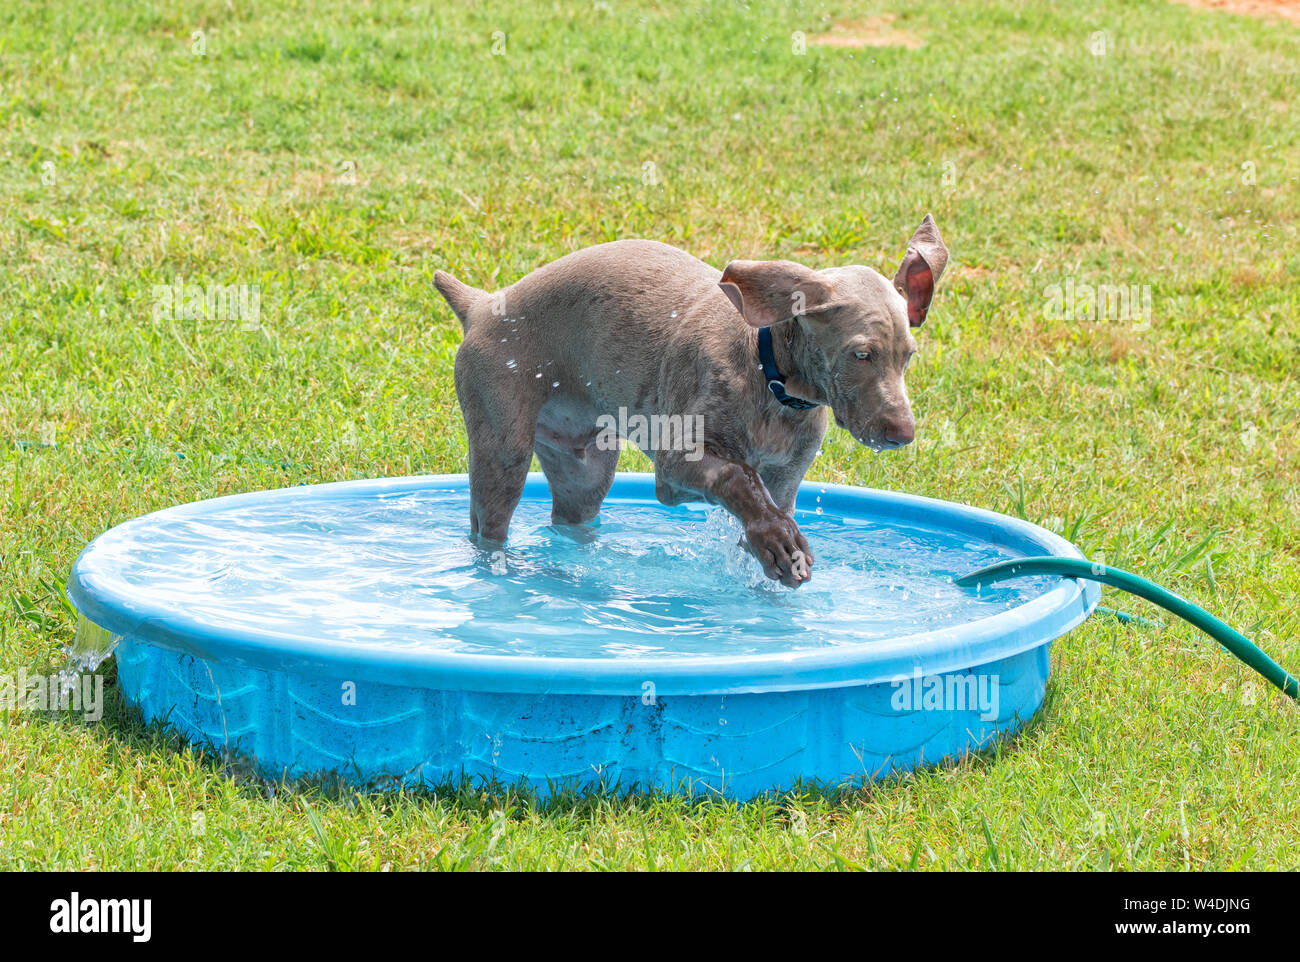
[920,270]
[766,292]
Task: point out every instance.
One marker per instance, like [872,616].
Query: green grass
[336,153]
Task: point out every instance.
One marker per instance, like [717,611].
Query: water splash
[90,647]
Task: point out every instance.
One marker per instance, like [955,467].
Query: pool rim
[961,647]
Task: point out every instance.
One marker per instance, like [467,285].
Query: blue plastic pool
[353,628]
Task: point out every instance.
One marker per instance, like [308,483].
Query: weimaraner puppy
[635,329]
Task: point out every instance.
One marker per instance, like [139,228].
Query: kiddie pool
[353,628]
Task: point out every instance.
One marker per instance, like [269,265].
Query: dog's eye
[862,355]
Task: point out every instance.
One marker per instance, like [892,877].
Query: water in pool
[397,570]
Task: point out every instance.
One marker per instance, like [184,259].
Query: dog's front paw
[781,549]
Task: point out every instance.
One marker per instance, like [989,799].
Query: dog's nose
[900,432]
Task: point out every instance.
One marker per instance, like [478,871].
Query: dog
[755,353]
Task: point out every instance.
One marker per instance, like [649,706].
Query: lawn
[332,155]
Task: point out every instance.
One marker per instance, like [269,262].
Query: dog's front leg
[773,537]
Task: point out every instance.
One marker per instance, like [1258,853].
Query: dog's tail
[460,296]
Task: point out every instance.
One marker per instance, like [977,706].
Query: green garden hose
[1231,639]
[1126,618]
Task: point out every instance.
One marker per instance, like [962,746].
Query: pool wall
[739,745]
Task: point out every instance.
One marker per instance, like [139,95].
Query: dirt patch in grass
[867,32]
[1286,9]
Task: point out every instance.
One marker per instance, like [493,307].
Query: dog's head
[854,331]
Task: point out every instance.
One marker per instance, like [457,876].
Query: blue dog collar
[773,374]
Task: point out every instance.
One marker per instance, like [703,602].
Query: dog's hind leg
[500,451]
[496,482]
[579,480]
